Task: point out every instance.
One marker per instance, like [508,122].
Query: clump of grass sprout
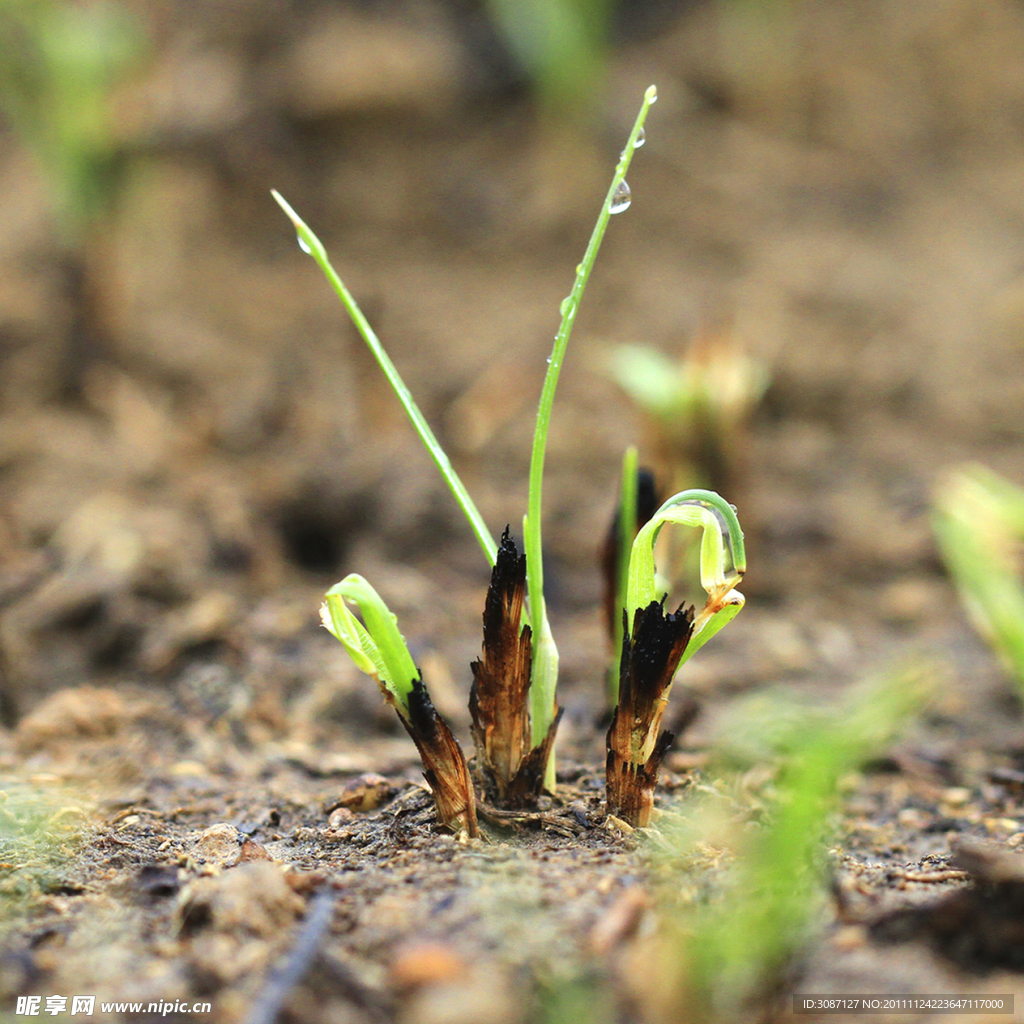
[698,405]
[513,703]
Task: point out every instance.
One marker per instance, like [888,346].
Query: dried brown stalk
[650,657]
[444,764]
[511,771]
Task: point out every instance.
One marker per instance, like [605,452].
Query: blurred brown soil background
[835,185]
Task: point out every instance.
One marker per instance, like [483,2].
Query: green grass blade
[312,245]
[545,663]
[978,522]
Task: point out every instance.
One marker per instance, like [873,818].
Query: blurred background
[814,304]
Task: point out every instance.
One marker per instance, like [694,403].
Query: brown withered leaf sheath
[444,765]
[511,773]
[650,657]
[647,503]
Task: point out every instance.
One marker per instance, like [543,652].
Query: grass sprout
[378,648]
[723,560]
[544,664]
[656,643]
[698,404]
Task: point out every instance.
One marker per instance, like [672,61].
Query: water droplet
[549,360]
[621,198]
[566,303]
[641,138]
[579,268]
[653,95]
[302,245]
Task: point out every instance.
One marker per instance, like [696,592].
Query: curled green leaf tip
[723,558]
[723,561]
[375,644]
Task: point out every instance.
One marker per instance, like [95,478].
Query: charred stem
[651,652]
[511,772]
[444,764]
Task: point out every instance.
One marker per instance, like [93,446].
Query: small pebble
[956,796]
[219,845]
[426,963]
[339,816]
[364,793]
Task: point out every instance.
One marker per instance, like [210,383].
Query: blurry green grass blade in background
[736,948]
[978,521]
[561,45]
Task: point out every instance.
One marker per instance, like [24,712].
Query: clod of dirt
[425,963]
[251,850]
[484,995]
[85,712]
[252,899]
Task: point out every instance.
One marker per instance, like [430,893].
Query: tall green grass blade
[312,245]
[545,663]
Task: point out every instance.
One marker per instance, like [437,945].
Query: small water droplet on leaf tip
[302,245]
[564,305]
[621,198]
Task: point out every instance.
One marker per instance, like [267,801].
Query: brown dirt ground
[836,185]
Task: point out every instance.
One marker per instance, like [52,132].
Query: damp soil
[202,801]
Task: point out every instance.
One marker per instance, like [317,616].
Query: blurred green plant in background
[41,829]
[61,64]
[562,46]
[978,519]
[698,406]
[722,951]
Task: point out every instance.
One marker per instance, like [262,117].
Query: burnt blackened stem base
[651,652]
[511,769]
[444,764]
